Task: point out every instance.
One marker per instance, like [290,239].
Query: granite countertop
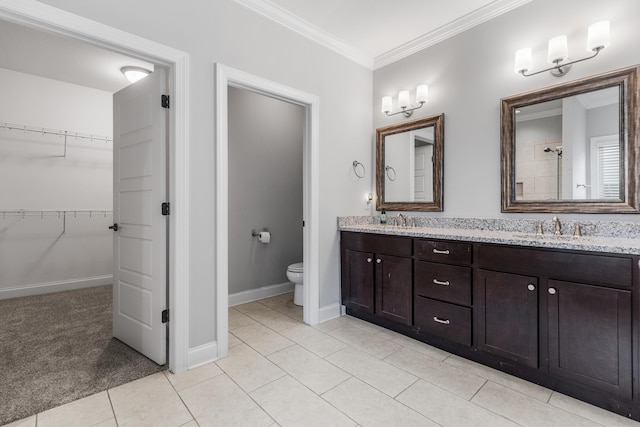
[608,244]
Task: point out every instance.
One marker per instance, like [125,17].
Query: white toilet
[295,273]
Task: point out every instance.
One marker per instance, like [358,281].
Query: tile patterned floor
[344,372]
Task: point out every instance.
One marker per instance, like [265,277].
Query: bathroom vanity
[558,311]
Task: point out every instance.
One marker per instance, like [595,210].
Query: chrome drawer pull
[438,282]
[444,322]
[437,251]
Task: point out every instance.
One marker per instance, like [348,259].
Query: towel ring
[389,168]
[355,169]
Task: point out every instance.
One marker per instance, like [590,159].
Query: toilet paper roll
[264,237]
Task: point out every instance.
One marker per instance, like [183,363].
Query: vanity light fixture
[133,74]
[597,40]
[422,96]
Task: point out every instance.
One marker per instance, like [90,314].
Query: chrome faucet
[558,228]
[403,218]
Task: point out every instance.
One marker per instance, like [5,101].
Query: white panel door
[140,241]
[423,180]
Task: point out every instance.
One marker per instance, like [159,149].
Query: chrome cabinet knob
[378,261]
[531,287]
[369,260]
[552,291]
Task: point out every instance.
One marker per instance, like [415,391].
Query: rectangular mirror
[572,147]
[409,159]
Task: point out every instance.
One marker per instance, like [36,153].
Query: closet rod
[60,213]
[45,131]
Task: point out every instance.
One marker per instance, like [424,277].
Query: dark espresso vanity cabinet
[564,319]
[377,276]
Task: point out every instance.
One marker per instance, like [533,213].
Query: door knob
[113,227]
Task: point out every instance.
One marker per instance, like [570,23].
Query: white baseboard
[202,355]
[260,293]
[329,312]
[51,287]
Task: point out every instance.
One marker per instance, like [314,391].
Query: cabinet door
[506,316]
[358,280]
[590,336]
[393,288]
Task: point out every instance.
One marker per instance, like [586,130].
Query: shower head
[548,150]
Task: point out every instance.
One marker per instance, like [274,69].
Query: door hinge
[165,208]
[164,101]
[165,316]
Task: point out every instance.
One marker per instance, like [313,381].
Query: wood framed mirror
[573,147]
[409,165]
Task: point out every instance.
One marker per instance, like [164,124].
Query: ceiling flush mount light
[558,53]
[133,74]
[422,96]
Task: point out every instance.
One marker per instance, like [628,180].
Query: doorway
[224,78]
[55,20]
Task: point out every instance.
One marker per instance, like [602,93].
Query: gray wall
[223,31]
[469,73]
[265,188]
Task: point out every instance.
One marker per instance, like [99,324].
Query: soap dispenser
[383,218]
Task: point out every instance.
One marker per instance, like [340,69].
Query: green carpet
[58,348]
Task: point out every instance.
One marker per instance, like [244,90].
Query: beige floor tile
[457,381]
[365,340]
[262,339]
[292,404]
[331,324]
[311,370]
[273,319]
[371,328]
[25,422]
[150,401]
[194,376]
[108,423]
[370,407]
[84,412]
[233,340]
[375,372]
[275,302]
[420,347]
[314,340]
[538,392]
[447,409]
[524,409]
[238,319]
[220,402]
[249,368]
[250,306]
[190,424]
[298,316]
[606,418]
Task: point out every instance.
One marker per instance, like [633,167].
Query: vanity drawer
[376,243]
[445,252]
[444,320]
[443,282]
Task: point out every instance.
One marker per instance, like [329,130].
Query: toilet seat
[296,268]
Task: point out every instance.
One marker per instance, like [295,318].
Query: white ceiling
[373,33]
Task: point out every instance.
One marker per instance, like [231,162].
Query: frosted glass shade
[422,94]
[403,99]
[598,37]
[523,60]
[386,104]
[557,49]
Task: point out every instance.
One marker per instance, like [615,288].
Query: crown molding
[306,29]
[310,31]
[458,26]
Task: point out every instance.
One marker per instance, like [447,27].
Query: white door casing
[140,240]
